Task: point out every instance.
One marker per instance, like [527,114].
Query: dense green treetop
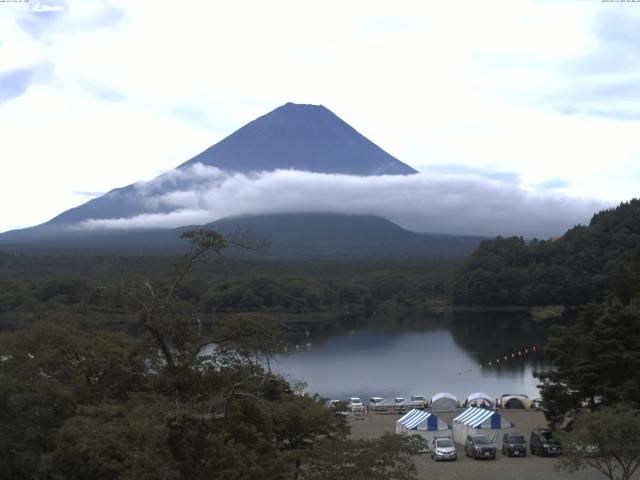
[582,266]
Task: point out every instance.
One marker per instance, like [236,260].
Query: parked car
[514,444]
[479,446]
[543,443]
[442,448]
[355,404]
[373,401]
[398,400]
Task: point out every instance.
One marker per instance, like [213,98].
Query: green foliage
[582,266]
[46,373]
[114,441]
[386,458]
[33,288]
[596,359]
[607,440]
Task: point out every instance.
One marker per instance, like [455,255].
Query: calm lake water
[421,357]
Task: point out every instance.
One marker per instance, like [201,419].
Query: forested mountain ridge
[582,266]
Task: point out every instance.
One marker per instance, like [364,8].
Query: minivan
[543,443]
[514,444]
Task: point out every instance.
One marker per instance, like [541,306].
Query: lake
[461,354]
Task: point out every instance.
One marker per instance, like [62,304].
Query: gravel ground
[531,467]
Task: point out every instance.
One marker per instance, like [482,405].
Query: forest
[584,265]
[302,292]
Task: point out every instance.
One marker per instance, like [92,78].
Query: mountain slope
[287,236]
[301,137]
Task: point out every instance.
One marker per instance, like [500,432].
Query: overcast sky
[539,99]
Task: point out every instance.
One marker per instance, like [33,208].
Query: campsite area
[531,467]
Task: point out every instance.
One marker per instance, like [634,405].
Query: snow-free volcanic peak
[292,137]
[301,137]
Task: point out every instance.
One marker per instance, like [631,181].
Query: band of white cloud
[455,204]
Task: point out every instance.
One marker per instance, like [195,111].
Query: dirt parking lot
[529,468]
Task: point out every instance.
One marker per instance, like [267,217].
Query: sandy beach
[529,468]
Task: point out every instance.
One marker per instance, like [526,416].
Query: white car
[373,401]
[355,404]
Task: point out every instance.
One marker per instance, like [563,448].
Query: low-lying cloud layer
[455,204]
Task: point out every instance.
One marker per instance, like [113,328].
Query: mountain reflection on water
[421,356]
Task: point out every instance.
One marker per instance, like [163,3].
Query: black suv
[514,444]
[542,443]
[479,446]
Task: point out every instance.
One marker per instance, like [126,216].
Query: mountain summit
[300,137]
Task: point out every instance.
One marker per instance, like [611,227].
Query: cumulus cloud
[454,204]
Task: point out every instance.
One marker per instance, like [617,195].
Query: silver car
[479,446]
[442,448]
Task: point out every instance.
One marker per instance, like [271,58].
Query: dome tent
[479,399]
[419,422]
[515,401]
[444,402]
[480,421]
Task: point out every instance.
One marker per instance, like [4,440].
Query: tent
[480,421]
[444,402]
[480,398]
[407,405]
[419,422]
[515,401]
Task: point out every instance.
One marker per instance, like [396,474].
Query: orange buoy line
[513,355]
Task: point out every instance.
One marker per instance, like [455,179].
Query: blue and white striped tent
[481,421]
[419,422]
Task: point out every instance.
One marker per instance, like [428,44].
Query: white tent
[480,421]
[444,402]
[515,401]
[419,422]
[479,398]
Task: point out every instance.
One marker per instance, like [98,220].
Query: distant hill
[582,266]
[287,236]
